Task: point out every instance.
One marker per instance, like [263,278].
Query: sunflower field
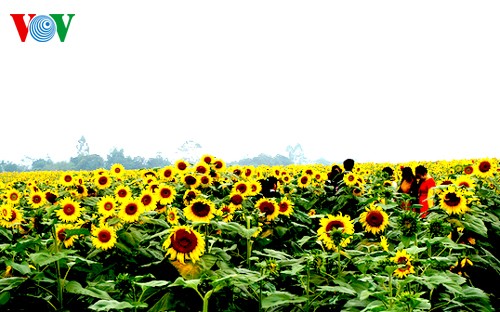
[203,237]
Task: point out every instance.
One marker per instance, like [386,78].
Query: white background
[383,81]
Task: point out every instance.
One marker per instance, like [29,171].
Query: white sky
[370,80]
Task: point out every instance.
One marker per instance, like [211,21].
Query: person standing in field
[409,185]
[425,191]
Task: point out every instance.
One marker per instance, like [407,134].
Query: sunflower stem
[249,242]
[60,281]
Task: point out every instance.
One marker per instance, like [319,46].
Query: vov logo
[42,27]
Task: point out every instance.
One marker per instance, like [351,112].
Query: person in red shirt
[426,183]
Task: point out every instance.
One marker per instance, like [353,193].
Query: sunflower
[15,217]
[130,210]
[61,234]
[189,195]
[166,193]
[6,211]
[70,210]
[148,199]
[350,179]
[227,212]
[104,237]
[37,199]
[374,219]
[13,196]
[122,193]
[207,159]
[172,216]
[465,181]
[268,207]
[51,196]
[254,187]
[102,181]
[167,173]
[241,187]
[285,207]
[106,205]
[206,181]
[486,167]
[191,181]
[200,210]
[184,243]
[67,179]
[202,168]
[181,165]
[331,227]
[303,181]
[468,170]
[453,201]
[219,165]
[117,170]
[403,259]
[236,199]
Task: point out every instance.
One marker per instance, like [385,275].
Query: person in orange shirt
[425,189]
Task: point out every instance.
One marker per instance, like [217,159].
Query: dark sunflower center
[283,207]
[402,260]
[267,208]
[146,200]
[201,169]
[351,178]
[165,193]
[468,170]
[13,216]
[182,166]
[190,180]
[205,180]
[61,234]
[108,206]
[242,188]
[201,209]
[452,200]
[303,180]
[68,178]
[69,209]
[13,196]
[466,184]
[484,166]
[334,224]
[104,236]
[236,199]
[374,218]
[122,193]
[37,199]
[167,173]
[102,180]
[131,209]
[218,165]
[183,241]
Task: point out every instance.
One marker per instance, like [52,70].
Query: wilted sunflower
[285,206]
[453,201]
[106,205]
[374,219]
[200,210]
[409,223]
[268,207]
[61,235]
[130,210]
[70,210]
[122,193]
[172,216]
[15,217]
[166,193]
[37,199]
[341,225]
[104,237]
[102,181]
[403,259]
[184,243]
